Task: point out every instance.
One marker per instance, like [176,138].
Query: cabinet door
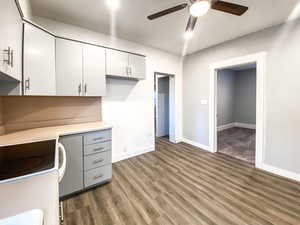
[116,63]
[94,71]
[11,36]
[73,178]
[137,65]
[68,68]
[39,62]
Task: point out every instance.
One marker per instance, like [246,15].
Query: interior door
[68,68]
[116,63]
[39,62]
[94,82]
[137,65]
[73,178]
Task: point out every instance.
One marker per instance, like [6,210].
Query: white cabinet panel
[116,63]
[94,71]
[68,68]
[39,62]
[11,37]
[137,65]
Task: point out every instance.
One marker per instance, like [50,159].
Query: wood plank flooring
[181,185]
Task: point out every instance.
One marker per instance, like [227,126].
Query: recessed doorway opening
[236,112]
[258,139]
[164,88]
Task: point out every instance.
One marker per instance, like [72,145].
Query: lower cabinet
[89,161]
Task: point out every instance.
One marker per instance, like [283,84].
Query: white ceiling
[166,33]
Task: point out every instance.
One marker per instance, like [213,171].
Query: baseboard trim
[226,126]
[196,144]
[245,125]
[231,125]
[280,172]
[118,158]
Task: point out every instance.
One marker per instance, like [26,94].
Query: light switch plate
[203,102]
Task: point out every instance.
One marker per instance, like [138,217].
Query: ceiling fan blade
[229,8]
[167,11]
[191,23]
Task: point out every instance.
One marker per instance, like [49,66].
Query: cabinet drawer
[97,175]
[96,137]
[97,148]
[97,160]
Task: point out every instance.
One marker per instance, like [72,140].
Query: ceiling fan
[199,8]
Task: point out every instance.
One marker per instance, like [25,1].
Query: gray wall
[245,96]
[226,99]
[282,98]
[236,96]
[162,128]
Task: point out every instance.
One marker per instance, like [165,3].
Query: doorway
[236,112]
[164,88]
[259,59]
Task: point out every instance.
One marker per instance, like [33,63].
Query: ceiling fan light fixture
[200,8]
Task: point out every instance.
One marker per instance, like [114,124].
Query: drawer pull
[98,139]
[98,149]
[98,161]
[97,177]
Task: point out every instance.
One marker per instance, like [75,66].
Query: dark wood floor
[181,185]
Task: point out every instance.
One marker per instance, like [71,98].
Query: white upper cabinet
[80,69]
[68,68]
[94,83]
[116,63]
[123,64]
[137,66]
[39,62]
[10,40]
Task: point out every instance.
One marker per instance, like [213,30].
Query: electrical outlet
[125,149]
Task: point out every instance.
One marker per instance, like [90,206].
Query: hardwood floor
[181,185]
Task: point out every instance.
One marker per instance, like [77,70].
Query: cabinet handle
[27,84]
[79,89]
[98,139]
[12,58]
[98,161]
[97,177]
[98,149]
[85,88]
[7,52]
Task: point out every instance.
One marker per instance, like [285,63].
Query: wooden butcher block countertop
[46,133]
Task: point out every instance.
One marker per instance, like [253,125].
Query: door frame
[172,109]
[260,60]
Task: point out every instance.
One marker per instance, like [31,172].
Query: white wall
[129,105]
[281,90]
